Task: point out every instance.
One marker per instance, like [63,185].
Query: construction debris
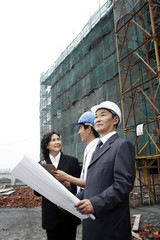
[136,235]
[23,197]
[6,191]
[148,230]
[19,197]
[136,222]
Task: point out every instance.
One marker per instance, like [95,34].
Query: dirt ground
[20,218]
[25,223]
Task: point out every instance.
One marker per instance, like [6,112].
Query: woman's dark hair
[96,134]
[44,142]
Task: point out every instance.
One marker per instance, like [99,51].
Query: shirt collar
[55,160]
[107,136]
[91,144]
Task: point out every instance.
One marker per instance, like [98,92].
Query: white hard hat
[108,105]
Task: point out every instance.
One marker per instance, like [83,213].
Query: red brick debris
[23,197]
[148,232]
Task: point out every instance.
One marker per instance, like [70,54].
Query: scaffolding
[94,19]
[137,32]
[88,73]
[45,107]
[46,80]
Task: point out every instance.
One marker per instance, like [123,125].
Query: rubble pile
[23,196]
[147,234]
[149,229]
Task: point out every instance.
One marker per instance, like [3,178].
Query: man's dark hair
[114,115]
[96,134]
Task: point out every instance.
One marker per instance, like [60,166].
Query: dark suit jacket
[52,216]
[110,178]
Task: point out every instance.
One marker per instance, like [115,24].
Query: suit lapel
[103,149]
[61,162]
[48,161]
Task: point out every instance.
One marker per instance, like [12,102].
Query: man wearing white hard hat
[90,136]
[110,178]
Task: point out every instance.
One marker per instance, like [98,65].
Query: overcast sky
[33,35]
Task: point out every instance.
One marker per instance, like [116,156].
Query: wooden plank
[136,222]
[136,235]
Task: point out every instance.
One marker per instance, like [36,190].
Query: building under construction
[115,57]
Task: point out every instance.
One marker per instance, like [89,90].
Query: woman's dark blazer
[52,216]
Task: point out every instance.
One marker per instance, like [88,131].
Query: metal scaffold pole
[137,36]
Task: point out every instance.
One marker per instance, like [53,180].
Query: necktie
[99,144]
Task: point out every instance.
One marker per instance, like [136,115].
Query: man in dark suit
[110,178]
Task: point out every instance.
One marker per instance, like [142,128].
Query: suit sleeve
[123,180]
[80,195]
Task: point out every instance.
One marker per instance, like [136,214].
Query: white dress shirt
[107,136]
[55,160]
[87,157]
[90,148]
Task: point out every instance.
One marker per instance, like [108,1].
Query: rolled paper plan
[38,178]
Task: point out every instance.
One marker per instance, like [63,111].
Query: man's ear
[89,129]
[116,120]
